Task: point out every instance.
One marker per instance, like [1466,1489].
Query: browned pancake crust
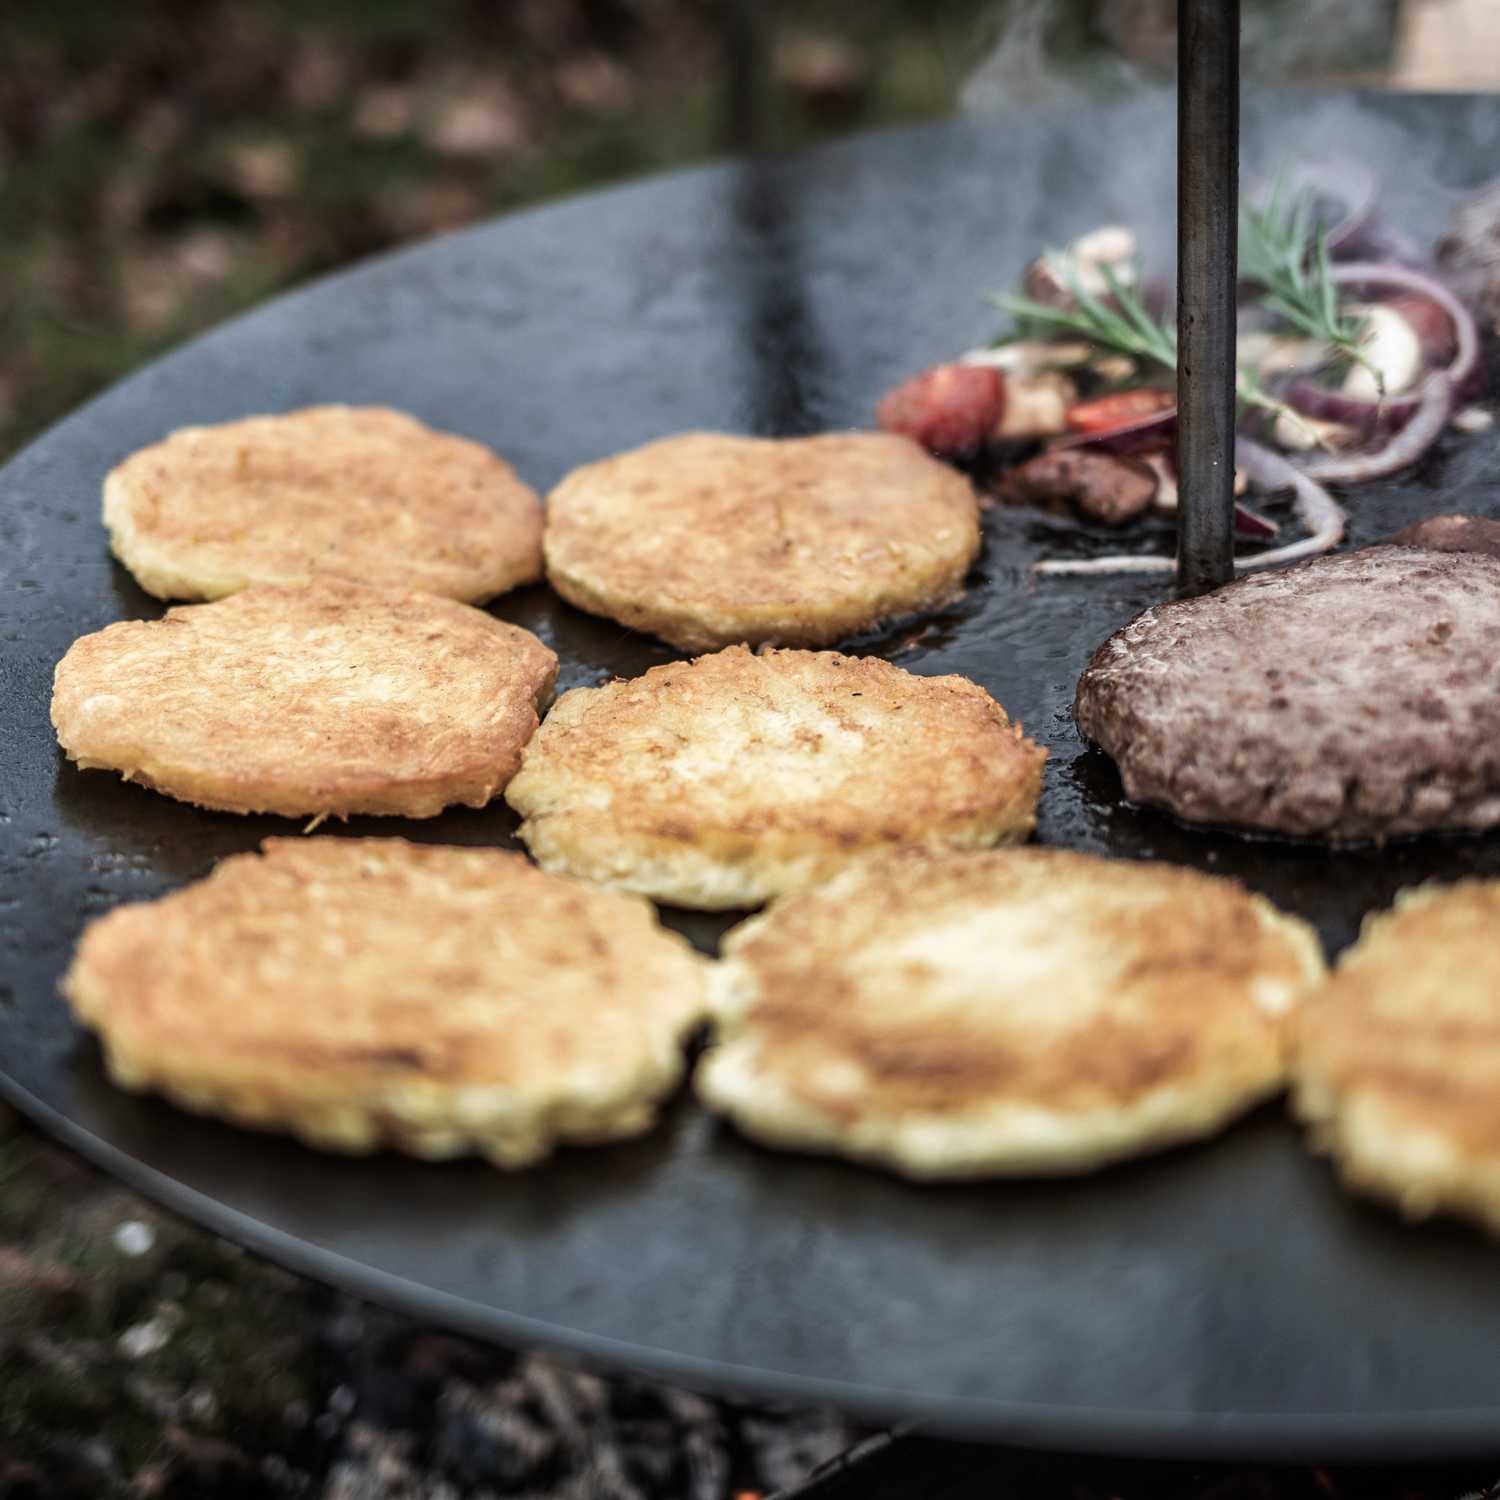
[708,540]
[369,992]
[330,699]
[1354,697]
[967,1013]
[724,781]
[1396,1063]
[360,493]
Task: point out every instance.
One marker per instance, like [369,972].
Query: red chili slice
[1115,411]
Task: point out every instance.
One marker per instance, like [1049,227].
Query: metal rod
[744,48]
[1208,176]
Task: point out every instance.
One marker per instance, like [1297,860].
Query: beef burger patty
[1452,534]
[1354,697]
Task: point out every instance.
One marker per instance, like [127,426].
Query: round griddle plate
[1224,1299]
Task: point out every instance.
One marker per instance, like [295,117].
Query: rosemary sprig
[1248,389]
[1131,330]
[1283,249]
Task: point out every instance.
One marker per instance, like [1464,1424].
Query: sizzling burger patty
[1355,697]
[1452,534]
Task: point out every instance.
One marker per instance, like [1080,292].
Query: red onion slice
[1434,402]
[1350,182]
[1130,437]
[1333,406]
[1353,411]
[1316,508]
[1123,563]
[1247,523]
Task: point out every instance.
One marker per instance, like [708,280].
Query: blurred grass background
[165,164]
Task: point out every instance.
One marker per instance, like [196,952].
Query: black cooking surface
[1225,1298]
[916,1466]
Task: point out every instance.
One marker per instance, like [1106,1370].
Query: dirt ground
[141,1357]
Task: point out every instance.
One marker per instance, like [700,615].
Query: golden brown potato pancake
[1396,1063]
[708,540]
[958,1013]
[328,699]
[361,993]
[359,493]
[724,781]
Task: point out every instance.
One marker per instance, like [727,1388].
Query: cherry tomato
[949,409]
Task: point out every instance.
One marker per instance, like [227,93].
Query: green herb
[1130,330]
[1248,388]
[1285,251]
[1126,328]
[1281,247]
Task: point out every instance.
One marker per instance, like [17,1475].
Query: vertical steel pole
[1208,177]
[744,46]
